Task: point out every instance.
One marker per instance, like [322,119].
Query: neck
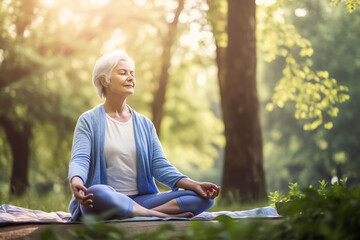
[116,106]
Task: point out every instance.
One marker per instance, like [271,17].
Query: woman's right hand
[79,190]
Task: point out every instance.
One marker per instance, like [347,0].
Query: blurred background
[49,47]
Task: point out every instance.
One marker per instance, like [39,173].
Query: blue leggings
[106,198]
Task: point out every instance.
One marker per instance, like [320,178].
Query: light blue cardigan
[88,160]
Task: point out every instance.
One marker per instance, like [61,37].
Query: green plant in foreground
[295,193]
[324,213]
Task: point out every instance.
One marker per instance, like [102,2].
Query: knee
[201,201]
[100,193]
[207,204]
[194,204]
[106,199]
[99,188]
[210,203]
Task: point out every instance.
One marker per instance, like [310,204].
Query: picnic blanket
[10,214]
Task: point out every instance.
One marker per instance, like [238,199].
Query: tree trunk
[159,93]
[19,141]
[243,174]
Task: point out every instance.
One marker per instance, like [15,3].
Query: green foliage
[296,194]
[199,134]
[351,4]
[314,94]
[44,84]
[326,213]
[294,155]
[277,198]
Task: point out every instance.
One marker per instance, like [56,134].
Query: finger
[89,203]
[203,194]
[88,196]
[82,188]
[83,197]
[213,194]
[217,191]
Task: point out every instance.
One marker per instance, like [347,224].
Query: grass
[50,202]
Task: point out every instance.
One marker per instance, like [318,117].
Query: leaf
[328,125]
[224,218]
[269,107]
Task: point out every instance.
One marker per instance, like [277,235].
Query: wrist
[187,183]
[77,180]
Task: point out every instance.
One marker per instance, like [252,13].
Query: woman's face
[122,79]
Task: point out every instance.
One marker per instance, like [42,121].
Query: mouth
[129,85]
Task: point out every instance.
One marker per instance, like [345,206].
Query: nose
[130,75]
[131,79]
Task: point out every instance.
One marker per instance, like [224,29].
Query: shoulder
[141,119]
[91,116]
[92,113]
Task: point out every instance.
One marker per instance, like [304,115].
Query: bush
[326,213]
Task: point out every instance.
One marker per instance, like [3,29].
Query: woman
[116,155]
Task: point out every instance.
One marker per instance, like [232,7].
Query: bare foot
[140,211]
[184,215]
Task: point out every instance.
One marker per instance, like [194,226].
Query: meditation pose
[116,156]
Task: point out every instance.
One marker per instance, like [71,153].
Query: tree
[159,93]
[13,117]
[243,174]
[33,54]
[314,93]
[243,152]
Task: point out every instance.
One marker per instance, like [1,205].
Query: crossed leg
[175,202]
[170,207]
[139,210]
[169,204]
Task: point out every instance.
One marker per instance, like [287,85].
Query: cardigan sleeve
[81,150]
[162,170]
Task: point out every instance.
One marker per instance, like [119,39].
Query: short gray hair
[104,67]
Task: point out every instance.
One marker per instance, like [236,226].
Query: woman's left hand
[207,190]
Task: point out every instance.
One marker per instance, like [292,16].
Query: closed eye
[124,72]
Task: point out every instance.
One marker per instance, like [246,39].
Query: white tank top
[120,156]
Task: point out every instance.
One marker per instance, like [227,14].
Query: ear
[103,82]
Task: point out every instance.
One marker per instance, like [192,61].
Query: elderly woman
[116,155]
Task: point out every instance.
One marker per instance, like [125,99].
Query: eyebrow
[123,69]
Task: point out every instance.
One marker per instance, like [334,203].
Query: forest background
[48,49]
